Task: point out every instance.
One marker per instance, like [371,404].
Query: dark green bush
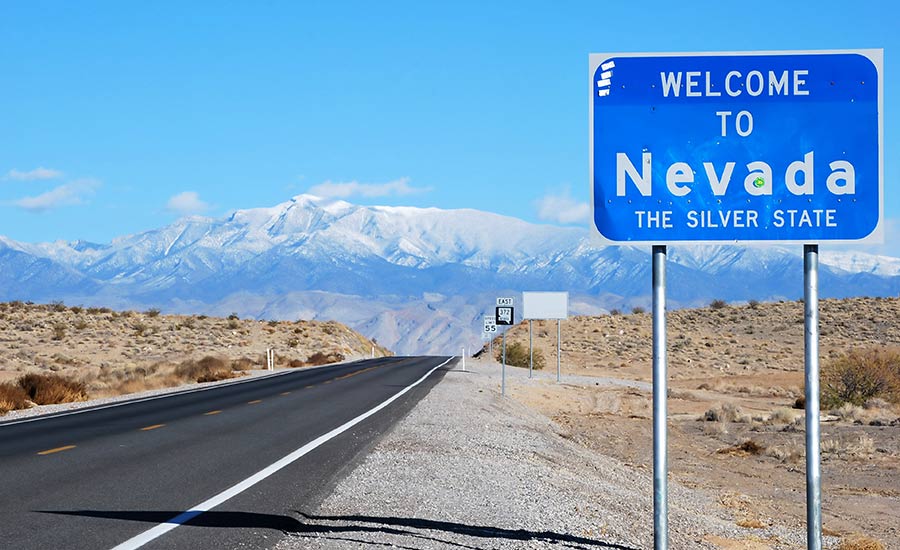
[517,355]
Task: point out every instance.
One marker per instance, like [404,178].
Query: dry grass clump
[860,447]
[208,369]
[319,358]
[860,375]
[12,397]
[244,364]
[748,447]
[859,542]
[48,389]
[727,412]
[517,356]
[782,415]
[789,453]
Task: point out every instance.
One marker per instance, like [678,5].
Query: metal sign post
[505,315]
[558,347]
[811,363]
[544,306]
[735,148]
[660,392]
[503,376]
[530,349]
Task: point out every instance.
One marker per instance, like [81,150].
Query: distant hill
[416,279]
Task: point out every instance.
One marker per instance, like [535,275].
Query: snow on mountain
[417,279]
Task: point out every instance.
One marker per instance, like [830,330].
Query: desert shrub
[293,343]
[233,323]
[615,311]
[748,447]
[81,324]
[48,389]
[59,331]
[58,306]
[12,397]
[859,542]
[76,309]
[244,363]
[319,358]
[517,356]
[296,363]
[782,416]
[861,375]
[152,312]
[726,413]
[233,317]
[637,310]
[139,328]
[718,304]
[273,323]
[753,304]
[208,369]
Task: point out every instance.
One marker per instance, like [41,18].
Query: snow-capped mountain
[417,279]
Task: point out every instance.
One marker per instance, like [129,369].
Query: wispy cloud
[72,193]
[347,189]
[186,203]
[562,208]
[39,173]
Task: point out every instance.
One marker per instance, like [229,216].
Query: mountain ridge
[371,266]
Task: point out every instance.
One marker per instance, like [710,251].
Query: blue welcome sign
[737,147]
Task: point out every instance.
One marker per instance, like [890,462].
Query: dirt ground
[105,348]
[743,364]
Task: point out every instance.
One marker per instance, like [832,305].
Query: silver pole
[530,351]
[660,451]
[811,359]
[503,376]
[558,322]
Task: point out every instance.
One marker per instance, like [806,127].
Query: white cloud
[562,208]
[71,193]
[186,203]
[343,190]
[39,173]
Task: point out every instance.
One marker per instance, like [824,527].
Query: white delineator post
[464,358]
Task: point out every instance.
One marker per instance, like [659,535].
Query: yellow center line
[56,450]
[354,373]
[308,387]
[210,413]
[153,427]
[254,402]
[328,381]
[285,393]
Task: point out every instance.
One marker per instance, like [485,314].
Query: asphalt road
[99,478]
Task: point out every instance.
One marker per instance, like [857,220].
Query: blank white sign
[546,305]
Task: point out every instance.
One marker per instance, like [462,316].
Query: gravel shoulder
[468,468]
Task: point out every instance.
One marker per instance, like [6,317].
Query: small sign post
[746,147]
[546,305]
[490,329]
[505,315]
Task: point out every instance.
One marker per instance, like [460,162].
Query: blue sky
[119,117]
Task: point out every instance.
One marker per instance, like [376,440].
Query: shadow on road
[402,527]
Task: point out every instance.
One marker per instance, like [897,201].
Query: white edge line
[163,528]
[212,386]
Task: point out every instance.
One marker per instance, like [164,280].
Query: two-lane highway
[224,467]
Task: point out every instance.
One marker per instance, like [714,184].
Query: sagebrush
[860,375]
